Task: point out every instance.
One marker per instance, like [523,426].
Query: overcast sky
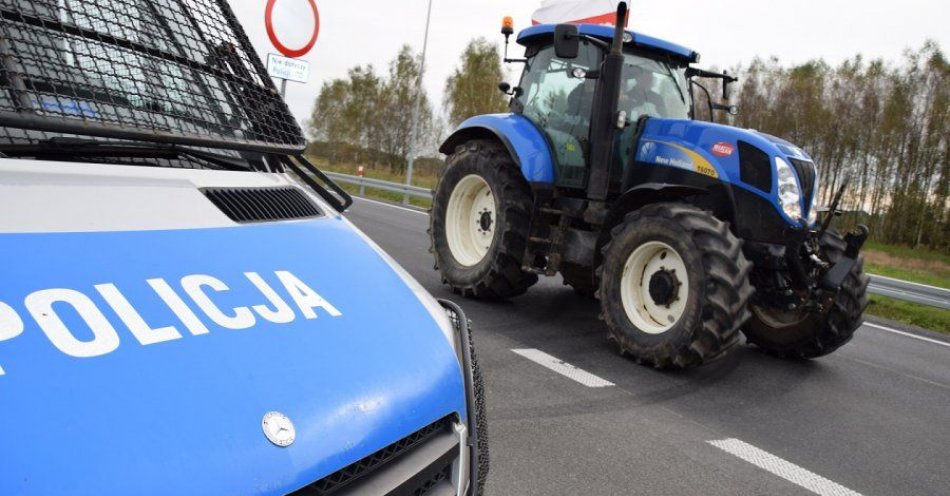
[726,33]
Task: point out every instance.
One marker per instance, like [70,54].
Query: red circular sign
[272,34]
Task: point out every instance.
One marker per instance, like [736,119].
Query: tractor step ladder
[543,251]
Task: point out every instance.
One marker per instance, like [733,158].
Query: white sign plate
[287,68]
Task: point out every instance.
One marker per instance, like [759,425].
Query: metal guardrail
[880,285]
[910,291]
[365,182]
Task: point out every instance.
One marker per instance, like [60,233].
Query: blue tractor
[687,232]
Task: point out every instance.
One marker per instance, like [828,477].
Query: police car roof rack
[163,71]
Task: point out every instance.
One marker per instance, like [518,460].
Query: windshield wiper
[62,148]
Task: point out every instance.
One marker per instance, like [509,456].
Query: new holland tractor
[687,232]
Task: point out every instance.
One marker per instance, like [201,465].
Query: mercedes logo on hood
[278,429]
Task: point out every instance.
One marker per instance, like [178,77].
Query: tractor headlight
[789,194]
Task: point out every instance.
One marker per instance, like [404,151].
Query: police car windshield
[652,87]
[164,71]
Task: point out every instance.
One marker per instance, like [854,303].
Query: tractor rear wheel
[674,286]
[479,223]
[804,335]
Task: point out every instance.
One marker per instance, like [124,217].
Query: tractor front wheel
[479,223]
[674,286]
[799,334]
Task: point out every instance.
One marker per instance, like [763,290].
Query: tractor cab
[557,93]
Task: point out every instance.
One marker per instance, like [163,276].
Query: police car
[183,308]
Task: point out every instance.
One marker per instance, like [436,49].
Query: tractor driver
[637,95]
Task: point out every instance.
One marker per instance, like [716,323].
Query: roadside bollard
[360,172]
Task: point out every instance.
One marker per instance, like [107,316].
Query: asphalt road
[871,419]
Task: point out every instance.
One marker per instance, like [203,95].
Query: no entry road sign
[292,26]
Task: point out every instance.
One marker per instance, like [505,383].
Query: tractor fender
[717,198]
[524,141]
[645,194]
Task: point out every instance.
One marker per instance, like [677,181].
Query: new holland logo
[723,149]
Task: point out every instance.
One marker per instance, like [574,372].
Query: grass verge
[935,319]
[935,277]
[907,253]
[901,262]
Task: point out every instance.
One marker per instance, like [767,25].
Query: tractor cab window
[652,87]
[560,104]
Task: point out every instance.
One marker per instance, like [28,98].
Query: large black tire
[481,418]
[718,285]
[498,275]
[811,336]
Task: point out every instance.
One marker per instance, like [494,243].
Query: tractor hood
[743,158]
[717,144]
[789,150]
[142,361]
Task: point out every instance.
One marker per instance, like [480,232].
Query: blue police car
[183,308]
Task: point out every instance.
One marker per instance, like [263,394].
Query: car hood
[175,407]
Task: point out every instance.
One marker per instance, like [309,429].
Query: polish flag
[577,12]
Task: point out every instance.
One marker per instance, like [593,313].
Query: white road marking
[902,333]
[567,370]
[786,470]
[391,205]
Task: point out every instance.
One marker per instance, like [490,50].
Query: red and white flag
[577,12]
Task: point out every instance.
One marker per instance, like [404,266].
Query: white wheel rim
[470,220]
[642,309]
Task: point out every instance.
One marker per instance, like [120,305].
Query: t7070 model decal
[282,304]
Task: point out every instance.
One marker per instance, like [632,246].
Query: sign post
[285,66]
[415,108]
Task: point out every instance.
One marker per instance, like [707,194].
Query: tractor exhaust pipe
[617,46]
[604,114]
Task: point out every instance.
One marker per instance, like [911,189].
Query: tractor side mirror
[506,88]
[566,42]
